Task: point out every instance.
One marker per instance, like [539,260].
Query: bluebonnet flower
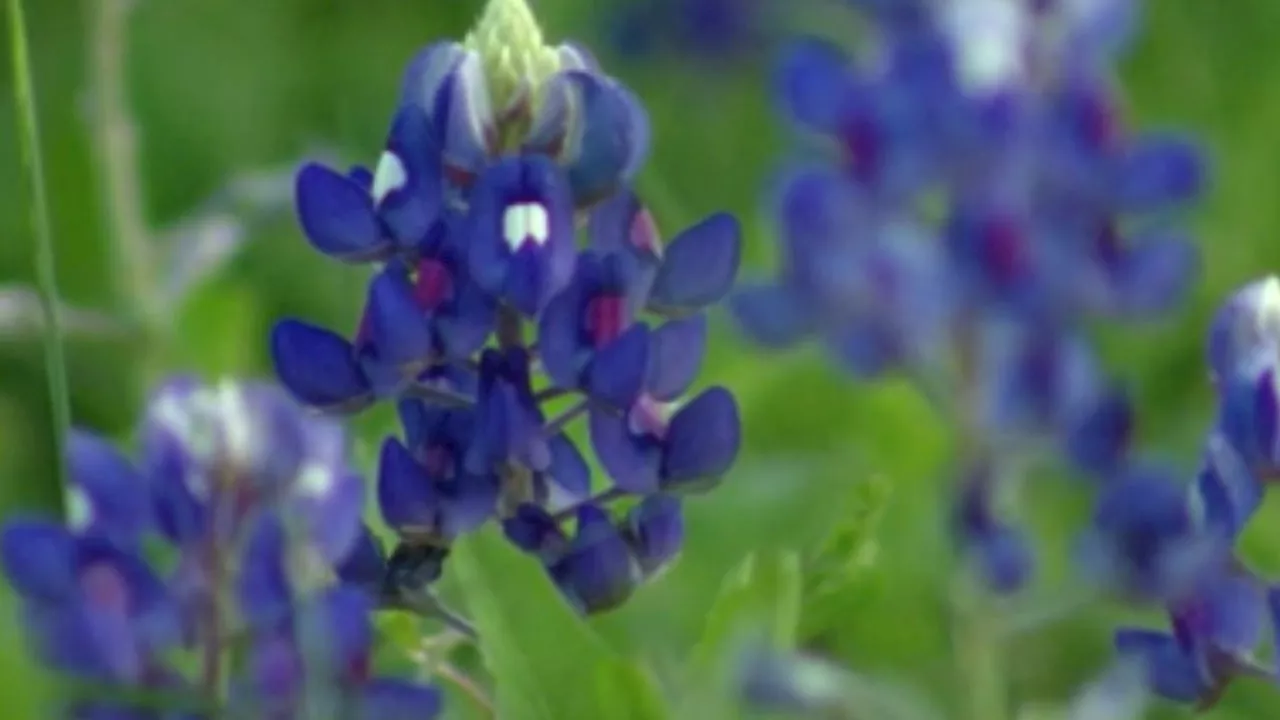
[981,202]
[708,32]
[502,150]
[243,491]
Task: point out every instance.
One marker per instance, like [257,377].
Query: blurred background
[229,95]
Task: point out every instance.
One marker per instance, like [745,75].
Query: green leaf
[836,574]
[759,600]
[538,649]
[627,692]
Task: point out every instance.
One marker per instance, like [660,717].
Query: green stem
[46,269]
[976,639]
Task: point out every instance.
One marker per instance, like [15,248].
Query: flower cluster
[502,149]
[711,31]
[222,537]
[981,199]
[1183,543]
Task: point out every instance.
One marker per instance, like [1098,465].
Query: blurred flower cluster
[967,200]
[502,152]
[221,538]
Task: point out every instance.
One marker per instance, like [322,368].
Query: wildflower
[981,203]
[501,149]
[254,501]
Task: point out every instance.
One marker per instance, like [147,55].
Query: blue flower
[1000,550]
[521,232]
[645,451]
[425,491]
[361,217]
[1244,336]
[509,429]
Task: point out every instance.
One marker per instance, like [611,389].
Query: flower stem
[977,641]
[558,423]
[116,145]
[46,269]
[467,686]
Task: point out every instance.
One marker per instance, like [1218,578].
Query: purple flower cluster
[224,534]
[967,199]
[1180,544]
[473,213]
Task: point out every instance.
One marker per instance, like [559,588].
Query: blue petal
[564,355]
[655,531]
[1238,614]
[365,565]
[405,494]
[393,699]
[427,71]
[463,118]
[1171,673]
[407,186]
[676,350]
[1005,558]
[811,84]
[617,372]
[317,365]
[264,592]
[535,531]
[598,572]
[771,315]
[1230,493]
[346,614]
[331,501]
[597,129]
[1160,170]
[1098,442]
[1245,328]
[118,502]
[702,442]
[699,266]
[398,327]
[464,331]
[39,559]
[569,473]
[1157,273]
[622,227]
[337,216]
[633,462]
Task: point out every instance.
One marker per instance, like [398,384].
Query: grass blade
[46,271]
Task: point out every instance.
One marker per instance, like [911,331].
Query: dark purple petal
[655,532]
[393,699]
[811,82]
[39,559]
[317,365]
[365,565]
[632,461]
[622,227]
[337,216]
[676,350]
[699,266]
[1005,558]
[398,327]
[464,331]
[1229,492]
[598,572]
[1248,420]
[1170,672]
[702,442]
[1099,441]
[535,531]
[617,373]
[116,499]
[407,185]
[346,615]
[570,476]
[1160,170]
[405,493]
[771,315]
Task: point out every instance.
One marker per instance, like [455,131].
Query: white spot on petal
[316,480]
[79,508]
[524,223]
[389,176]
